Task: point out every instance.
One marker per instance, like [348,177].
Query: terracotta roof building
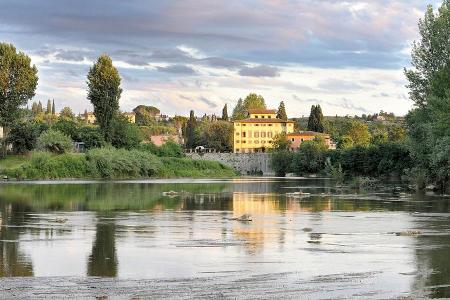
[256,133]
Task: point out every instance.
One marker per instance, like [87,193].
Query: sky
[347,56]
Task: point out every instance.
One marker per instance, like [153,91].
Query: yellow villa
[256,133]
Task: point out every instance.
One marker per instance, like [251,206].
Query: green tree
[125,134]
[18,81]
[23,136]
[218,135]
[146,115]
[66,113]
[225,113]
[280,156]
[39,108]
[254,101]
[281,114]
[310,157]
[190,130]
[49,107]
[53,108]
[34,108]
[104,93]
[239,111]
[315,121]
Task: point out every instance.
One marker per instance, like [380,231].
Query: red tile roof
[262,111]
[267,120]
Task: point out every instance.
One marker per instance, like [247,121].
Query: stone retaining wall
[245,163]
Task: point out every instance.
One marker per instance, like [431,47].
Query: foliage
[225,113]
[218,135]
[121,163]
[281,113]
[44,165]
[54,141]
[91,137]
[428,126]
[18,81]
[168,149]
[315,121]
[23,136]
[281,162]
[104,93]
[124,134]
[190,130]
[49,107]
[254,101]
[66,114]
[309,158]
[146,115]
[239,111]
[185,167]
[280,142]
[67,126]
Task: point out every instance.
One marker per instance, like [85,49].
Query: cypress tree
[281,114]
[319,118]
[49,107]
[34,107]
[191,124]
[312,119]
[53,108]
[225,113]
[39,108]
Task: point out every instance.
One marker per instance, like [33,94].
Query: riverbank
[108,163]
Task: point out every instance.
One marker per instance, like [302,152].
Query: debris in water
[409,233]
[243,218]
[307,229]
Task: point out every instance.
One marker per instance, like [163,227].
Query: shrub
[125,134]
[91,137]
[186,167]
[309,158]
[171,149]
[54,141]
[281,162]
[44,165]
[121,163]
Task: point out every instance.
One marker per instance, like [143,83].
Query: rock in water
[244,218]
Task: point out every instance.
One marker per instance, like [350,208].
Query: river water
[180,239]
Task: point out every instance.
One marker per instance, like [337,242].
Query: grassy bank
[108,163]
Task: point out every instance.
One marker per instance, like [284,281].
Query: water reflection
[103,259]
[138,230]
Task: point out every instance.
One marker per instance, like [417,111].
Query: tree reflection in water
[103,259]
[12,261]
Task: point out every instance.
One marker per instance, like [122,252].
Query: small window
[270,117]
[262,117]
[237,142]
[243,134]
[293,139]
[244,142]
[237,133]
[301,139]
[256,142]
[270,124]
[243,125]
[256,124]
[256,117]
[263,134]
[256,134]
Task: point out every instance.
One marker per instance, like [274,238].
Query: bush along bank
[111,163]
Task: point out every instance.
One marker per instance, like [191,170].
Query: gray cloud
[259,71]
[177,69]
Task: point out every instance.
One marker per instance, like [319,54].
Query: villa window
[262,117]
[256,135]
[243,134]
[237,142]
[256,142]
[293,139]
[237,133]
[256,117]
[270,117]
[270,124]
[243,125]
[244,142]
[263,134]
[269,134]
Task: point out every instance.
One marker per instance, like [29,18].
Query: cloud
[259,71]
[177,69]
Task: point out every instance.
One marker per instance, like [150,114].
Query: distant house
[89,117]
[160,140]
[131,116]
[297,138]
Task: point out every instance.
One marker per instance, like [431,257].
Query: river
[180,239]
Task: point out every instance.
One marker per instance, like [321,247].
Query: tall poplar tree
[104,93]
[315,121]
[53,108]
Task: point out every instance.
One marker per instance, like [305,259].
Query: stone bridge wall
[245,163]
